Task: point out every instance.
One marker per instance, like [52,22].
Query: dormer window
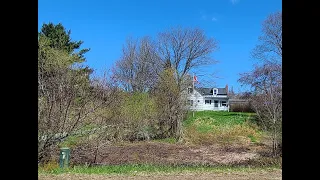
[215,91]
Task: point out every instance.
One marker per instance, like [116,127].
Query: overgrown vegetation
[209,127]
[140,99]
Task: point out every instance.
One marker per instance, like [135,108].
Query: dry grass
[242,134]
[50,166]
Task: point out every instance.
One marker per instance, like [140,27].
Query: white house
[215,99]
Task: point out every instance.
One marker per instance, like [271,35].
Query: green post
[64,157]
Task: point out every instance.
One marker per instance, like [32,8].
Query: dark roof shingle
[208,91]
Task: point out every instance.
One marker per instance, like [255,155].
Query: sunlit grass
[146,168]
[210,127]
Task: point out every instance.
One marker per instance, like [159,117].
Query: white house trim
[205,99]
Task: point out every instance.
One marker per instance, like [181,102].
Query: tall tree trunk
[274,141]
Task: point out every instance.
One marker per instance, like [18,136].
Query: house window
[190,102]
[223,103]
[198,100]
[190,90]
[207,101]
[215,91]
[216,103]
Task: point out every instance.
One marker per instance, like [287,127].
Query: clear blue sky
[104,25]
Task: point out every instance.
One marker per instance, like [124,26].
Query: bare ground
[254,175]
[169,154]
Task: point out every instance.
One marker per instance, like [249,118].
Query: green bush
[138,111]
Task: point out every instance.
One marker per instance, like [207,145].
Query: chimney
[227,88]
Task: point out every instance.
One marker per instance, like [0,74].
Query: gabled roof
[222,91]
[209,91]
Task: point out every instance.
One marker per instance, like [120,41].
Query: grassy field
[221,118]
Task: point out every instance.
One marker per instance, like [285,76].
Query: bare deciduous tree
[267,98]
[138,68]
[270,48]
[105,127]
[145,66]
[266,78]
[180,50]
[183,49]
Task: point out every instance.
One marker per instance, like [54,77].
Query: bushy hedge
[241,107]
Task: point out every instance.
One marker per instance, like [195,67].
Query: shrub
[243,107]
[138,112]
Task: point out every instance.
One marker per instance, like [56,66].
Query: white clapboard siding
[199,102]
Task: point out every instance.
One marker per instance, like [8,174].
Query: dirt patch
[169,154]
[261,175]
